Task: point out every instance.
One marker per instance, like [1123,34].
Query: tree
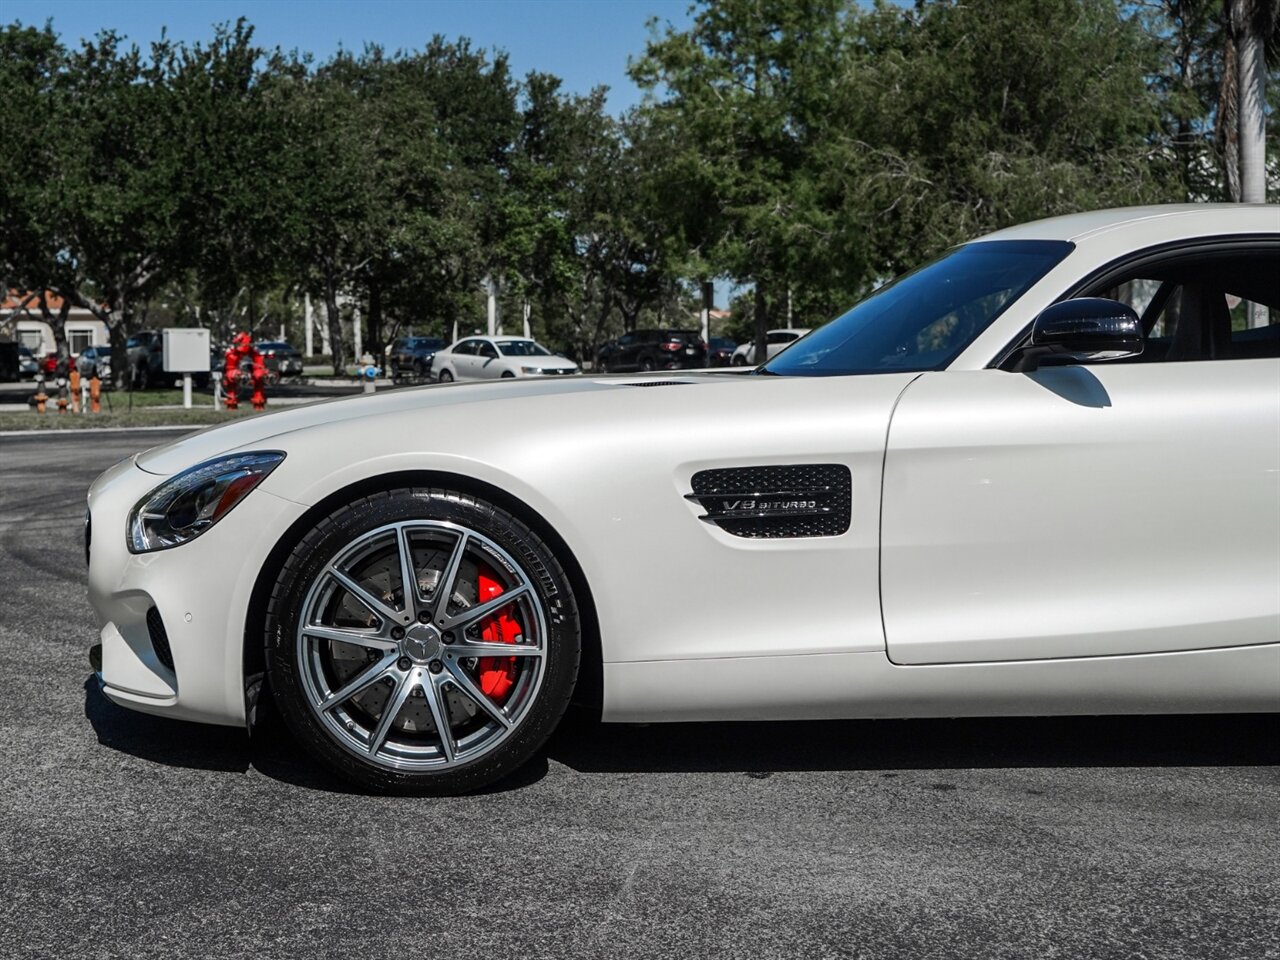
[1251,29]
[748,86]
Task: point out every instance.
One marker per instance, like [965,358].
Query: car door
[1100,509]
[488,364]
[462,358]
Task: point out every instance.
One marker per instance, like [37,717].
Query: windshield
[925,318]
[523,348]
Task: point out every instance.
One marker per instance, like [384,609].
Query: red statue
[244,365]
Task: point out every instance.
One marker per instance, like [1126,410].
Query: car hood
[170,458]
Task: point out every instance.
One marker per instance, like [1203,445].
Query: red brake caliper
[497,674]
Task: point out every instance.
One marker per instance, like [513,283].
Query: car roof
[1078,226]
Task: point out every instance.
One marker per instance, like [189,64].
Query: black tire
[446,376]
[739,360]
[646,365]
[507,375]
[549,586]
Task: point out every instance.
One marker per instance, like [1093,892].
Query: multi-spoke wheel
[422,639]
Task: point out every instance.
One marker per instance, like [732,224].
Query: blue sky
[586,42]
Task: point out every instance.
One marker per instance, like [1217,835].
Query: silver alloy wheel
[395,675]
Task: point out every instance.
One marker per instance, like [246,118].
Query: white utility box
[186,350]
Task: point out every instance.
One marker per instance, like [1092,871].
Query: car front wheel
[446,376]
[422,641]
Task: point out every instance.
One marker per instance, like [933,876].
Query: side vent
[656,383]
[801,500]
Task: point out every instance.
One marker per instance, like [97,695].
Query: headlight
[182,508]
[529,370]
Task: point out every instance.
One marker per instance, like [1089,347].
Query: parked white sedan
[497,358]
[774,342]
[1039,475]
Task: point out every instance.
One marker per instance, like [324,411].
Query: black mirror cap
[1087,328]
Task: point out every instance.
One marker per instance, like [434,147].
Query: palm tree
[1250,31]
[1252,34]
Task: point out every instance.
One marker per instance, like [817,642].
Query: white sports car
[1039,475]
[498,358]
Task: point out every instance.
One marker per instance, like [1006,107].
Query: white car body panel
[1079,511]
[867,685]
[202,591]
[607,465]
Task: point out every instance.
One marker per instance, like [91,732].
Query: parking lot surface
[131,836]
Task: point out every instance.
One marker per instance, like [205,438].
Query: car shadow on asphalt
[271,750]
[1214,740]
[586,745]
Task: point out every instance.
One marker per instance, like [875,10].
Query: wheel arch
[590,685]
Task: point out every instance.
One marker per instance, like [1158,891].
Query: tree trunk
[1227,132]
[1251,78]
[1251,117]
[708,289]
[761,312]
[57,323]
[375,343]
[335,324]
[119,354]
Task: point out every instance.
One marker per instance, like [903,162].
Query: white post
[186,391]
[355,332]
[217,392]
[326,348]
[455,332]
[307,320]
[528,332]
[491,287]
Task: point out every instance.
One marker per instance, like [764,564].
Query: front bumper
[173,621]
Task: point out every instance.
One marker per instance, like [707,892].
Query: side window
[487,349]
[466,348]
[626,339]
[1206,307]
[781,337]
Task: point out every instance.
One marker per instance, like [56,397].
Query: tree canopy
[804,149]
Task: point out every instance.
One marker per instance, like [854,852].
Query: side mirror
[1087,328]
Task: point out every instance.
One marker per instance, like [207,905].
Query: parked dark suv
[653,350]
[411,357]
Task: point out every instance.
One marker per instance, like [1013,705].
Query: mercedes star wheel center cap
[421,643]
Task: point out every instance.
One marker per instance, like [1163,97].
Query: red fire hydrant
[244,364]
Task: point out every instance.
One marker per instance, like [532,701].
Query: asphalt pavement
[123,835]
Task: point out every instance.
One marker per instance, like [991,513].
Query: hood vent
[657,383]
